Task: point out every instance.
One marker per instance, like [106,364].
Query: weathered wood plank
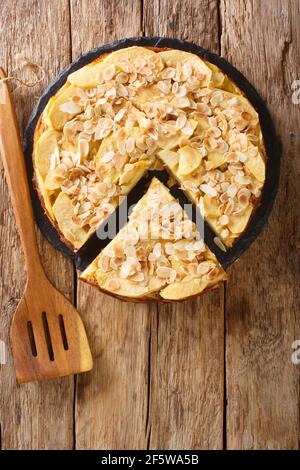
[31,414]
[262,39]
[112,400]
[187,382]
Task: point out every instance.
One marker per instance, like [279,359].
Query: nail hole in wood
[47,336]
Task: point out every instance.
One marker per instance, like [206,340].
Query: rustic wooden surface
[212,373]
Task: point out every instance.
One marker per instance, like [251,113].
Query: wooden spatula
[47,335]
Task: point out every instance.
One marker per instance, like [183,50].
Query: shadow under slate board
[94,245]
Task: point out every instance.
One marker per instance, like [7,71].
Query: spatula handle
[15,172]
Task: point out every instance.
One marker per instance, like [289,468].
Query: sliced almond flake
[209,190]
[187,129]
[84,215]
[111,93]
[172,276]
[229,207]
[256,192]
[213,273]
[204,267]
[108,156]
[181,121]
[109,72]
[224,233]
[103,263]
[105,123]
[120,114]
[192,268]
[54,159]
[232,190]
[187,69]
[169,248]
[168,72]
[133,237]
[138,277]
[146,71]
[157,250]
[242,180]
[189,185]
[181,91]
[126,270]
[83,147]
[112,284]
[163,272]
[244,196]
[223,220]
[70,107]
[183,102]
[164,86]
[101,101]
[130,144]
[101,133]
[115,263]
[233,101]
[252,152]
[220,244]
[122,77]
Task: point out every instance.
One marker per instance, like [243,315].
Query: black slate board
[273,148]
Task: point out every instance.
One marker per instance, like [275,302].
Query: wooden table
[211,373]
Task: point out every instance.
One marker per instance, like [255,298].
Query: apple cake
[131,111]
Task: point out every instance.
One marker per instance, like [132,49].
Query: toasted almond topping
[223,220]
[213,273]
[108,156]
[70,107]
[232,190]
[220,244]
[163,272]
[181,91]
[209,190]
[181,121]
[109,72]
[204,267]
[138,277]
[119,116]
[103,263]
[224,233]
[126,270]
[112,284]
[122,77]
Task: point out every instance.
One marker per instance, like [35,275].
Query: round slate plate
[272,144]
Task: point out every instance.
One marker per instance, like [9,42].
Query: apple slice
[189,160]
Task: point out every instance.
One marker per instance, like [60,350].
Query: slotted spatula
[47,335]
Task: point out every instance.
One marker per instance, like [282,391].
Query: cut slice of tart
[158,254]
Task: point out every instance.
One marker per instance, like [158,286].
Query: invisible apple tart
[135,110]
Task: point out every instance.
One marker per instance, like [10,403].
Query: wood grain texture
[262,40]
[112,400]
[158,380]
[29,413]
[187,361]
